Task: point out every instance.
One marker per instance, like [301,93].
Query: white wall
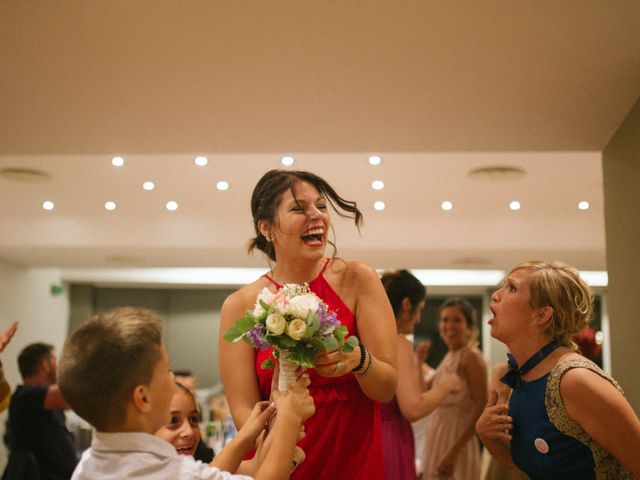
[192,319]
[25,295]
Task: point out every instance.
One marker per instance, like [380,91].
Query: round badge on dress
[541,445]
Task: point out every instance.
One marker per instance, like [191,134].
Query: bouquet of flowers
[297,323]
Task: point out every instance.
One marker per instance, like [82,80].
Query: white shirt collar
[132,442]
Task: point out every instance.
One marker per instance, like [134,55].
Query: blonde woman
[565,418]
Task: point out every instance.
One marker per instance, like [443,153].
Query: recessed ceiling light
[148,185]
[109,205]
[222,185]
[583,205]
[201,161]
[172,206]
[117,161]
[287,161]
[515,205]
[375,160]
[48,205]
[379,205]
[498,173]
[446,205]
[377,184]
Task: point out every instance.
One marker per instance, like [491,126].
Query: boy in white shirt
[114,372]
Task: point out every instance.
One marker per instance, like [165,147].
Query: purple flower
[328,320]
[257,337]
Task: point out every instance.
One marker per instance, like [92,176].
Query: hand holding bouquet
[297,323]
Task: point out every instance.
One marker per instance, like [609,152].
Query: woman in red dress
[292,224]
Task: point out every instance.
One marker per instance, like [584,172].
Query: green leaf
[310,317]
[287,342]
[267,364]
[232,334]
[330,343]
[264,305]
[310,331]
[317,344]
[340,332]
[310,353]
[350,344]
[246,323]
[299,359]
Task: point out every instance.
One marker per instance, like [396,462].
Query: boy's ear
[406,305]
[140,399]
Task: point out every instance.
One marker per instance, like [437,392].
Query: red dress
[343,439]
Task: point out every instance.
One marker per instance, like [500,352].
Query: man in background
[41,446]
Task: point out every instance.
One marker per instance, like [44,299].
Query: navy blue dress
[546,442]
[538,448]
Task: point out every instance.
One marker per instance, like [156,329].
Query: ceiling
[437,89]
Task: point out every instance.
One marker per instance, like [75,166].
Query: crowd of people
[548,413]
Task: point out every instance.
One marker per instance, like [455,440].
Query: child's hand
[298,458]
[256,421]
[296,401]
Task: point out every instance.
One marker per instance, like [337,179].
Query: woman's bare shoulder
[353,271]
[473,357]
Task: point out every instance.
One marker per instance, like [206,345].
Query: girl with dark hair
[292,224]
[407,296]
[452,449]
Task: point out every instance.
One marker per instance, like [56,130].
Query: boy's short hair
[31,357]
[105,359]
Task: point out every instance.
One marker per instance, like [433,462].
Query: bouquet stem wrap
[287,372]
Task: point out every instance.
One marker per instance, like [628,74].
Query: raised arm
[7,335]
[586,395]
[293,408]
[236,361]
[415,404]
[231,455]
[377,331]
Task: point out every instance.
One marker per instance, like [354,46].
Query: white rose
[276,323]
[301,305]
[296,328]
[266,296]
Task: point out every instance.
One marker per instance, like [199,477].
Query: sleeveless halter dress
[447,423]
[343,439]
